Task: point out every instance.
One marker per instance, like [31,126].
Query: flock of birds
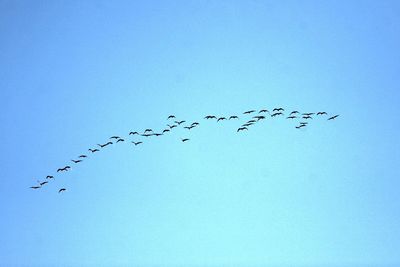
[260,115]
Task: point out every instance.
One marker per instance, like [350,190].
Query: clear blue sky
[74,73]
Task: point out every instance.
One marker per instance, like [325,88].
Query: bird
[278,109]
[263,110]
[307,117]
[233,117]
[62,169]
[210,117]
[221,119]
[49,177]
[148,130]
[133,133]
[43,183]
[146,135]
[291,117]
[322,113]
[259,117]
[249,111]
[170,117]
[166,130]
[333,117]
[241,129]
[179,122]
[171,126]
[120,140]
[76,161]
[251,121]
[195,123]
[115,137]
[185,139]
[300,126]
[61,190]
[188,127]
[305,123]
[109,143]
[82,156]
[136,143]
[35,187]
[247,124]
[276,114]
[308,114]
[93,150]
[293,112]
[157,134]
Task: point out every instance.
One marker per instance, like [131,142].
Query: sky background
[74,73]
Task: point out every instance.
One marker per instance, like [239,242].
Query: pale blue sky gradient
[74,73]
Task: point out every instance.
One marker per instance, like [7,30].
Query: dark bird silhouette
[148,130]
[291,117]
[106,144]
[300,126]
[276,114]
[322,113]
[259,117]
[49,177]
[35,187]
[120,140]
[188,127]
[247,124]
[146,135]
[43,183]
[251,121]
[278,109]
[76,161]
[62,190]
[185,139]
[171,117]
[263,110]
[308,114]
[166,130]
[294,112]
[249,111]
[307,117]
[305,123]
[171,126]
[195,123]
[179,122]
[115,137]
[157,134]
[63,169]
[241,129]
[221,119]
[82,156]
[333,117]
[210,117]
[93,150]
[234,117]
[133,133]
[137,143]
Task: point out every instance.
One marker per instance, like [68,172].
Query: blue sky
[74,73]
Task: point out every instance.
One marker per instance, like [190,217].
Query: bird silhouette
[307,117]
[188,127]
[148,130]
[93,150]
[62,190]
[300,126]
[137,143]
[305,123]
[157,134]
[63,169]
[185,139]
[43,183]
[291,117]
[263,110]
[249,111]
[259,117]
[166,130]
[179,122]
[82,156]
[294,112]
[35,187]
[195,123]
[241,129]
[233,117]
[322,113]
[210,117]
[171,117]
[308,114]
[146,135]
[120,140]
[171,126]
[221,119]
[247,124]
[133,133]
[251,121]
[49,177]
[76,161]
[333,117]
[276,114]
[115,137]
[106,144]
[278,109]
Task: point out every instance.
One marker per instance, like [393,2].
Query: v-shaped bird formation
[251,117]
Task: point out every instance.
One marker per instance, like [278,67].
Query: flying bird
[148,130]
[62,190]
[157,134]
[43,183]
[120,140]
[106,144]
[278,109]
[49,177]
[93,150]
[171,126]
[276,114]
[263,110]
[234,117]
[322,113]
[300,126]
[171,117]
[291,117]
[259,117]
[195,123]
[76,161]
[188,127]
[179,122]
[137,143]
[210,117]
[294,112]
[308,114]
[221,119]
[166,130]
[133,133]
[185,139]
[249,111]
[307,117]
[333,117]
[82,156]
[241,129]
[35,187]
[115,137]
